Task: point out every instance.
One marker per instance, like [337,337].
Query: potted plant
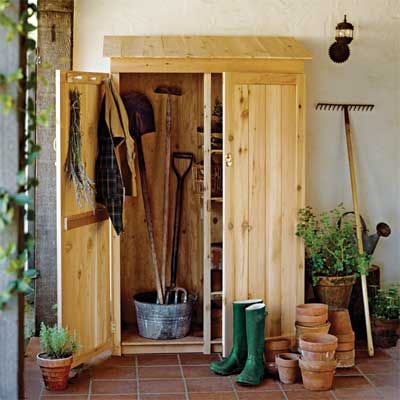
[385,311]
[55,361]
[332,256]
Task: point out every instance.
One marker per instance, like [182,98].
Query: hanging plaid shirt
[109,185]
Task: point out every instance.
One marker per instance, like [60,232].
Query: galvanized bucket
[162,321]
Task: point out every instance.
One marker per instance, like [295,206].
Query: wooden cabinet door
[84,240]
[263,189]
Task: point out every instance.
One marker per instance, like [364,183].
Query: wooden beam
[87,218]
[55,51]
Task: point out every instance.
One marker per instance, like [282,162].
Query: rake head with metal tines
[342,106]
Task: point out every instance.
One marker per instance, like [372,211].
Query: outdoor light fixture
[339,51]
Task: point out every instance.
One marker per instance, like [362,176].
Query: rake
[346,108]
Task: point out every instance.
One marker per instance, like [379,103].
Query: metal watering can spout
[370,241]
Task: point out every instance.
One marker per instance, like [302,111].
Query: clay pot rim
[326,324]
[52,360]
[288,360]
[345,338]
[321,356]
[273,344]
[318,366]
[348,280]
[312,309]
[385,321]
[312,318]
[318,342]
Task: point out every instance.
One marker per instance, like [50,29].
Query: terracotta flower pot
[346,346]
[384,332]
[303,330]
[288,367]
[317,375]
[317,356]
[335,291]
[345,359]
[311,320]
[348,337]
[311,309]
[318,343]
[340,321]
[55,372]
[272,348]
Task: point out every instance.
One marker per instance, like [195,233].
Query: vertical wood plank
[207,216]
[289,274]
[257,191]
[273,215]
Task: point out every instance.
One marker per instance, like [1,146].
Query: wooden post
[11,319]
[55,52]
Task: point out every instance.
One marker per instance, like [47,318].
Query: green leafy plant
[331,247]
[57,342]
[386,303]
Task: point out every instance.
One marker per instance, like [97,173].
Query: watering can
[370,241]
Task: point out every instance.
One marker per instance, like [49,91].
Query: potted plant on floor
[331,254]
[385,311]
[55,361]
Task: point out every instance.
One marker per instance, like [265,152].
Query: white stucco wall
[372,74]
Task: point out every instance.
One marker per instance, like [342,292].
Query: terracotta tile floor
[186,376]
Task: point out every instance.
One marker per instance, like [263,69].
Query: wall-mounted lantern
[339,51]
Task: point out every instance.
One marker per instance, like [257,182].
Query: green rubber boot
[253,371]
[234,363]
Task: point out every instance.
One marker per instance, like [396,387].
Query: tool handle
[182,156]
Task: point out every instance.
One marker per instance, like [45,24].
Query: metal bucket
[162,321]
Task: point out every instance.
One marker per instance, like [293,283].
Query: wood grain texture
[135,262]
[83,261]
[214,47]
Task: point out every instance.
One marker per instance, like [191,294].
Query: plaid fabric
[109,185]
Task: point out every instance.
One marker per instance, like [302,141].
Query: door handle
[228,160]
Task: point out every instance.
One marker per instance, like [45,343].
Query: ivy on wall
[13,256]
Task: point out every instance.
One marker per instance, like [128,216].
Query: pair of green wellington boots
[247,355]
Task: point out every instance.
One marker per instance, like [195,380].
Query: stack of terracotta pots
[272,348]
[317,362]
[311,318]
[342,329]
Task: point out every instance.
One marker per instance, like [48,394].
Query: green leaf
[23,287]
[30,273]
[21,199]
[15,76]
[30,215]
[21,177]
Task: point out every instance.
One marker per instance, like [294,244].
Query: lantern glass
[344,33]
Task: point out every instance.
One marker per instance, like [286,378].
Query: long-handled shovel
[169,91]
[346,108]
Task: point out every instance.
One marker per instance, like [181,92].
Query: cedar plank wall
[55,51]
[11,329]
[136,275]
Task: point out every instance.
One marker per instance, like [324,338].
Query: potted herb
[55,361]
[385,311]
[332,256]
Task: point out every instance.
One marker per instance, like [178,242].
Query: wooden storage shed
[260,81]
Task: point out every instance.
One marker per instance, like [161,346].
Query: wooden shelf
[216,151]
[215,294]
[217,199]
[132,343]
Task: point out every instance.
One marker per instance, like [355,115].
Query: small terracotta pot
[317,356]
[288,367]
[335,291]
[311,309]
[303,330]
[340,321]
[384,332]
[345,359]
[317,342]
[346,346]
[311,320]
[55,372]
[317,375]
[272,348]
[347,338]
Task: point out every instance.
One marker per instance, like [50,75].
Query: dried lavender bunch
[74,166]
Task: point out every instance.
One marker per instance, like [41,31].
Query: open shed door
[263,190]
[84,237]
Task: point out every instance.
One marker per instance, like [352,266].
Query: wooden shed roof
[205,47]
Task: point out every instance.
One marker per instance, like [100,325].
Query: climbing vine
[13,257]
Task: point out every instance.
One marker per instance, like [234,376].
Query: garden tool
[234,363]
[253,371]
[169,91]
[370,241]
[177,223]
[141,121]
[346,108]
